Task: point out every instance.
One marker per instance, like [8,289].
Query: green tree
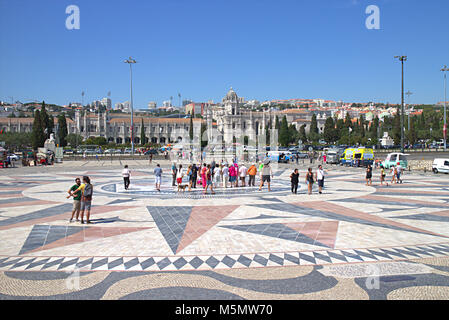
[329,133]
[38,138]
[143,139]
[74,140]
[283,132]
[314,135]
[396,131]
[293,134]
[191,128]
[45,121]
[339,128]
[62,130]
[268,133]
[361,128]
[348,122]
[17,140]
[204,137]
[412,136]
[302,133]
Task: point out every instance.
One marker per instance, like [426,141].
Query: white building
[386,140]
[107,103]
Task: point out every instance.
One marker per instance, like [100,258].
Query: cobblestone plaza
[351,242]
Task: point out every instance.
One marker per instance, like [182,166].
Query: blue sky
[264,49]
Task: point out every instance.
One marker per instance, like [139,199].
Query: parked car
[440,165]
[151,151]
[302,155]
[127,151]
[333,156]
[14,157]
[394,158]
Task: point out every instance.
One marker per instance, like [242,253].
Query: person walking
[158,176]
[243,171]
[209,180]
[394,173]
[369,175]
[217,176]
[399,172]
[174,173]
[232,175]
[294,179]
[179,175]
[266,175]
[194,175]
[126,174]
[237,173]
[320,173]
[309,180]
[382,175]
[76,199]
[203,175]
[190,176]
[225,173]
[252,172]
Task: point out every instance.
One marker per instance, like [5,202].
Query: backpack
[88,191]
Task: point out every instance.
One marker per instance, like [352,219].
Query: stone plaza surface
[240,243]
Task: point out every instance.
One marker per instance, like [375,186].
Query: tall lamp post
[402,59]
[445,68]
[131,61]
[408,93]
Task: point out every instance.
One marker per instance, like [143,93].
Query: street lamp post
[402,59]
[408,93]
[445,68]
[180,104]
[131,61]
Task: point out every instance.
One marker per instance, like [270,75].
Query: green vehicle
[392,159]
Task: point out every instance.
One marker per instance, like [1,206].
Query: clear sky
[264,49]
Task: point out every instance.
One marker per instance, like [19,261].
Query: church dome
[231,96]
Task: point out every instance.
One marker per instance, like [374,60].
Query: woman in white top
[217,176]
[179,175]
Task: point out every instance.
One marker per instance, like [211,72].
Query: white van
[440,165]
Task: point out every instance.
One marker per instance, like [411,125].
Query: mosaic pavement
[238,243]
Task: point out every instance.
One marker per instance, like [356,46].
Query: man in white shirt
[320,173]
[243,171]
[126,174]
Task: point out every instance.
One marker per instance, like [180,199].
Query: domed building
[234,123]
